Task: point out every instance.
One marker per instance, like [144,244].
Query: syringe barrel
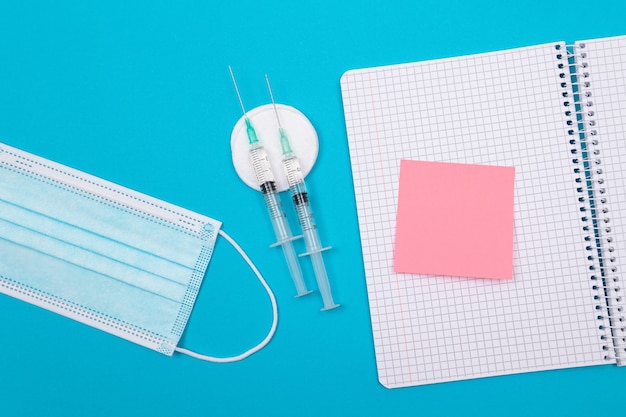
[283,235]
[293,171]
[305,217]
[275,210]
[300,197]
[284,238]
[314,248]
[322,281]
[261,164]
[294,268]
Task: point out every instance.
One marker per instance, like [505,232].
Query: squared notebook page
[602,71]
[504,108]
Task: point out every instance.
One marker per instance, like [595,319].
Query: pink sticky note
[455,220]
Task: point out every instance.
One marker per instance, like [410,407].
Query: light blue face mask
[104,255]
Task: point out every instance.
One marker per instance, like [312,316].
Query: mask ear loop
[270,334]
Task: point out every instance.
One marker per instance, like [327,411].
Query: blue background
[139,93]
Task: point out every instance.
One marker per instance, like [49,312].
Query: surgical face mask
[104,255]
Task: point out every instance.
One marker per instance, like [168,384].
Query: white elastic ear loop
[274,313]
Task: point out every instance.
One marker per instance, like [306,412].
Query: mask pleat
[72,236]
[101,217]
[106,296]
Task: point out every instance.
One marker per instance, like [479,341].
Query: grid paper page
[504,108]
[602,70]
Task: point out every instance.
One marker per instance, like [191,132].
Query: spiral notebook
[556,113]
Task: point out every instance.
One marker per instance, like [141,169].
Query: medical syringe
[300,197]
[267,184]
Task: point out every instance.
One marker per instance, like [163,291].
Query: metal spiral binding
[583,128]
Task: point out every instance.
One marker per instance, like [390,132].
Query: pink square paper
[455,220]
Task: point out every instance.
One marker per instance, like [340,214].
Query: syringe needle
[300,198]
[284,141]
[269,88]
[267,183]
[243,109]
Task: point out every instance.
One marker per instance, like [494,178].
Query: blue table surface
[139,93]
